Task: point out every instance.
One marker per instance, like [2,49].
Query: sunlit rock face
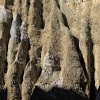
[48,46]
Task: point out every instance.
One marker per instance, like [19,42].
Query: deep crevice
[7,33]
[3,94]
[57,66]
[65,21]
[76,41]
[28,2]
[28,58]
[92,69]
[38,53]
[42,20]
[8,2]
[58,4]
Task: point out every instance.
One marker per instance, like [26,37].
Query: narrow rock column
[18,49]
[32,69]
[3,43]
[17,54]
[95,32]
[85,41]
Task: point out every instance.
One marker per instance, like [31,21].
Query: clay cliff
[49,49]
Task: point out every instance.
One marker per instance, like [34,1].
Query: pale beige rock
[17,53]
[32,69]
[49,43]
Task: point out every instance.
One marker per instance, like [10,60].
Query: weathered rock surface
[49,49]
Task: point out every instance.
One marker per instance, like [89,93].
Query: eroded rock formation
[48,44]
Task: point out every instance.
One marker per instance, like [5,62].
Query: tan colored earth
[47,44]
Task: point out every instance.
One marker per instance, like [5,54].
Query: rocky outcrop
[48,46]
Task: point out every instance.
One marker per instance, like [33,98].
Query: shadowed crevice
[97,94]
[58,3]
[76,41]
[42,20]
[65,21]
[92,70]
[56,94]
[3,94]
